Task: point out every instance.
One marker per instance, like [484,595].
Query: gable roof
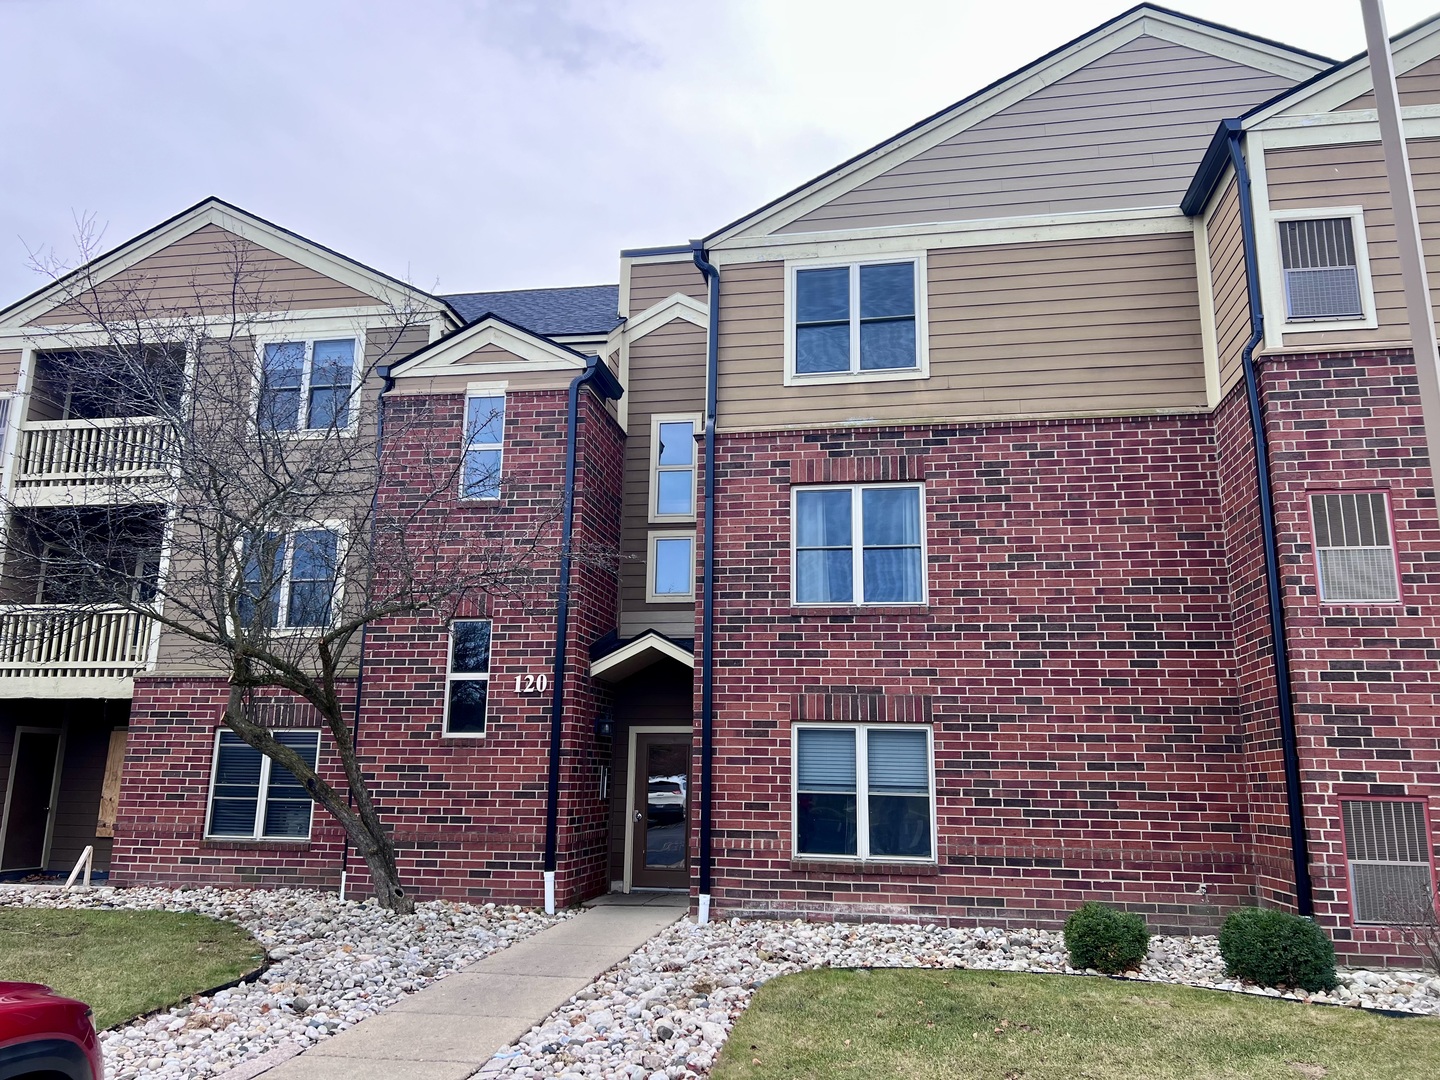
[531,349]
[581,309]
[1290,63]
[228,216]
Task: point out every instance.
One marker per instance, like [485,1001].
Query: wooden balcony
[55,650]
[68,461]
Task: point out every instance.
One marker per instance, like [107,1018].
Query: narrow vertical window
[331,377]
[672,472]
[1387,848]
[672,567]
[467,683]
[898,769]
[5,400]
[827,791]
[313,573]
[1322,275]
[262,580]
[484,446]
[280,386]
[1354,555]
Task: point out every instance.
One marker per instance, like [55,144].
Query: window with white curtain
[864,791]
[859,544]
[1353,549]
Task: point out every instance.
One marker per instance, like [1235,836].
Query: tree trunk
[374,846]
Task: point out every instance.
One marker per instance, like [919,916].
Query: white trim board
[619,665]
[531,352]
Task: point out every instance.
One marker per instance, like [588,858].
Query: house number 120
[532,684]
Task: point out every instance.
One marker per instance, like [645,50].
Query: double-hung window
[307,385]
[253,798]
[857,319]
[467,682]
[1322,262]
[290,580]
[672,468]
[484,446]
[1353,551]
[863,544]
[864,791]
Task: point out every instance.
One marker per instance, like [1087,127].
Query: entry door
[660,820]
[27,807]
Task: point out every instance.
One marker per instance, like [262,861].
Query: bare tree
[248,523]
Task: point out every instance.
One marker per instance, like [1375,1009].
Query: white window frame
[466,676]
[696,422]
[258,831]
[483,390]
[857,570]
[921,370]
[1315,549]
[308,339]
[283,600]
[862,796]
[1322,324]
[654,536]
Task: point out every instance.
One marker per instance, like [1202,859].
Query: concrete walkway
[451,1028]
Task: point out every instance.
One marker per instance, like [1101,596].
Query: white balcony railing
[55,641]
[72,453]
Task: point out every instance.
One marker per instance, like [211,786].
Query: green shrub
[1274,948]
[1107,940]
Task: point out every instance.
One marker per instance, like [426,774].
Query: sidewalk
[451,1028]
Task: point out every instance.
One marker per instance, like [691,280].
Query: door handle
[638,815]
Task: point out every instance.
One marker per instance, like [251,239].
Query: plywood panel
[1126,130]
[1089,326]
[212,272]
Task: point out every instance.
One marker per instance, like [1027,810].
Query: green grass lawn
[870,1025]
[123,963]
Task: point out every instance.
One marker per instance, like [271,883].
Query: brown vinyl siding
[1124,131]
[652,282]
[1227,284]
[9,370]
[200,274]
[1095,327]
[1353,174]
[667,375]
[1418,86]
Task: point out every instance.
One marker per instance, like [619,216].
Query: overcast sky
[492,144]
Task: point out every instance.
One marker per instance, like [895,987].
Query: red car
[45,1035]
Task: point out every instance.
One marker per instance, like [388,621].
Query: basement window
[1387,847]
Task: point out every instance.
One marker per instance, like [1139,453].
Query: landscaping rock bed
[333,963]
[664,1013]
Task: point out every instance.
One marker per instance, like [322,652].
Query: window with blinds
[253,798]
[1387,847]
[863,791]
[1322,274]
[1354,556]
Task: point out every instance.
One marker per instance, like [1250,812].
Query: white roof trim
[631,657]
[1027,81]
[248,227]
[531,352]
[675,306]
[1349,81]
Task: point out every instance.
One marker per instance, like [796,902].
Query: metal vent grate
[1321,276]
[1387,846]
[1352,545]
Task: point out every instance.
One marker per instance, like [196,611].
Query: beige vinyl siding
[1096,327]
[1353,174]
[1124,131]
[200,274]
[9,370]
[652,282]
[667,375]
[549,379]
[1227,283]
[1418,86]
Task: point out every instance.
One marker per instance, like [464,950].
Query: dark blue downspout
[1299,853]
[608,388]
[707,604]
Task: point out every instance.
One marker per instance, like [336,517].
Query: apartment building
[961,497]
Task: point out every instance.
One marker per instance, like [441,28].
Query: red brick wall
[1075,658]
[1364,675]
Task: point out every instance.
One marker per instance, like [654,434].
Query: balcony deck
[56,650]
[66,462]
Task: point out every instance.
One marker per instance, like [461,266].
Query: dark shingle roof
[583,309]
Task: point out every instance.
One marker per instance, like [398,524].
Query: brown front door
[660,820]
[32,782]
